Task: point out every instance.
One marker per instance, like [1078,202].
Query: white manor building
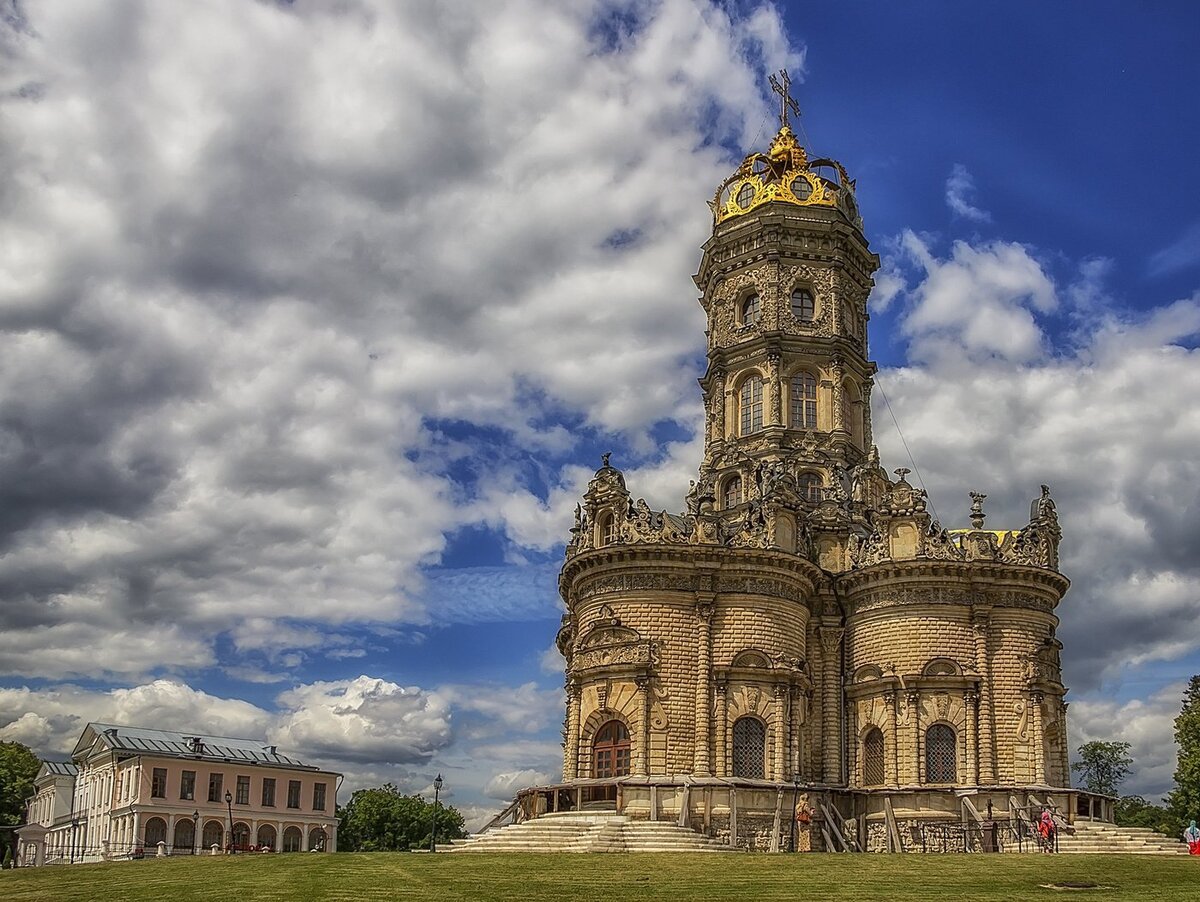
[129,792]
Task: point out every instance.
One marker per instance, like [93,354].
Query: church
[804,644]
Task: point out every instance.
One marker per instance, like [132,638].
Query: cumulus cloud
[259,259]
[960,189]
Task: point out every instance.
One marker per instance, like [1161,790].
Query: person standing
[1191,836]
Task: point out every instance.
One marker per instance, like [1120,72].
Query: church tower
[804,628]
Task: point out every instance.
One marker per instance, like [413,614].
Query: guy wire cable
[912,460]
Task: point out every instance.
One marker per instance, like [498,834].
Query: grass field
[580,878]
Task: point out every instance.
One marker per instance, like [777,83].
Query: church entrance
[611,754]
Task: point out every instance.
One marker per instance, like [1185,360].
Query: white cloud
[505,786]
[291,241]
[960,188]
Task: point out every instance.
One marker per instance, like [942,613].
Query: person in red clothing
[1046,830]
[1191,836]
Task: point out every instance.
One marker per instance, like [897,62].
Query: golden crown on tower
[784,173]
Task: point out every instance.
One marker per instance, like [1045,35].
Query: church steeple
[784,281]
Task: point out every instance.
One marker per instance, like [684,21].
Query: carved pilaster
[718,405]
[971,701]
[839,395]
[701,763]
[981,622]
[1038,739]
[780,708]
[799,712]
[912,702]
[776,389]
[642,758]
[720,734]
[571,749]
[893,776]
[831,708]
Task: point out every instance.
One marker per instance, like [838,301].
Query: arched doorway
[214,835]
[185,837]
[267,837]
[156,832]
[241,836]
[611,754]
[317,839]
[292,837]
[749,748]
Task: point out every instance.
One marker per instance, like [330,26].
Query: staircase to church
[588,832]
[1105,839]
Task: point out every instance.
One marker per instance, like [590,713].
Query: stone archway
[317,840]
[268,837]
[214,834]
[293,837]
[184,841]
[156,832]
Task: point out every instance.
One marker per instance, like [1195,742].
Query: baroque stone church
[804,642]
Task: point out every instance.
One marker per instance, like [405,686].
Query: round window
[801,187]
[745,196]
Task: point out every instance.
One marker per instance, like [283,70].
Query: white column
[304,838]
[331,842]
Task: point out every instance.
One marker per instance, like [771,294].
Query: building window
[849,320]
[873,758]
[745,195]
[158,783]
[318,797]
[751,309]
[214,788]
[752,405]
[243,791]
[941,764]
[214,834]
[606,526]
[804,308]
[187,785]
[611,750]
[810,488]
[268,796]
[732,495]
[293,794]
[749,748]
[804,401]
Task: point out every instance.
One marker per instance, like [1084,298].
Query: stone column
[775,389]
[868,435]
[780,732]
[831,707]
[701,757]
[916,766]
[839,391]
[331,833]
[721,732]
[1063,753]
[571,746]
[892,701]
[799,714]
[304,836]
[981,626]
[971,704]
[718,404]
[642,758]
[1035,724]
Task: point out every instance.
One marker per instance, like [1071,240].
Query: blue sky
[317,318]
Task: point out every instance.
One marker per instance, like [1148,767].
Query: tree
[18,768]
[384,820]
[1184,800]
[1103,765]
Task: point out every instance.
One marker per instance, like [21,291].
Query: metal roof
[60,768]
[189,745]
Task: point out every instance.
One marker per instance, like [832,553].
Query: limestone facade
[804,623]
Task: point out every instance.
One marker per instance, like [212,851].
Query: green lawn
[579,878]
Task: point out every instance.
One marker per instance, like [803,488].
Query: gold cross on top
[786,102]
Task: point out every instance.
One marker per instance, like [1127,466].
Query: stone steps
[1109,839]
[588,832]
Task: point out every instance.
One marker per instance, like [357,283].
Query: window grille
[733,493]
[940,755]
[611,750]
[751,308]
[745,196]
[873,774]
[804,308]
[810,487]
[804,401]
[749,748]
[752,405]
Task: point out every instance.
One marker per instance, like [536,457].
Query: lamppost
[437,788]
[195,831]
[229,805]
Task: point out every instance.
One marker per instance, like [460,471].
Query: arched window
[732,496]
[241,835]
[316,839]
[184,842]
[804,308]
[610,750]
[156,832]
[749,748]
[267,837]
[804,401]
[292,838]
[214,834]
[810,487]
[751,402]
[941,754]
[606,528]
[751,309]
[873,774]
